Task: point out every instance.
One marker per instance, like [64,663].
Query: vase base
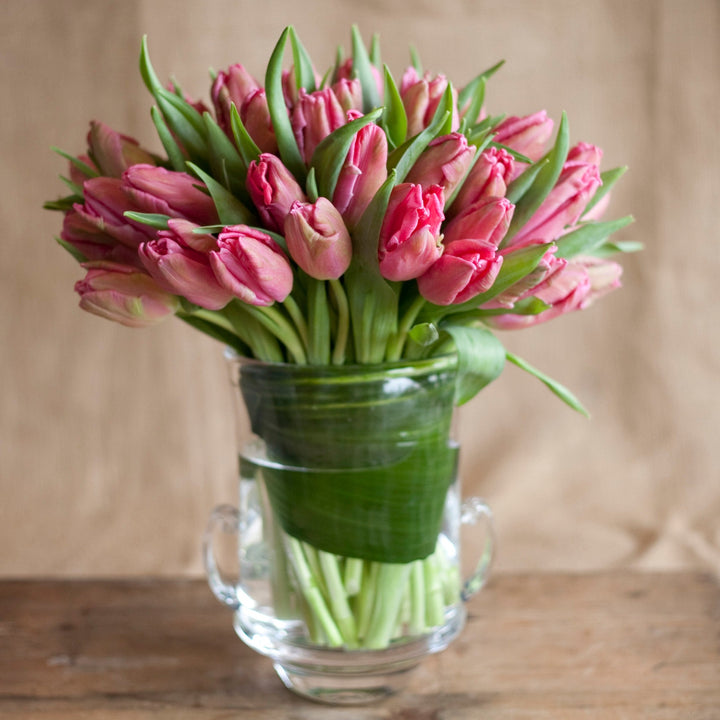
[332,688]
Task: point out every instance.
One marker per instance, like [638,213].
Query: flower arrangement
[343,220]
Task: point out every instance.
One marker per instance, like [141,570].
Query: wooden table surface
[537,646]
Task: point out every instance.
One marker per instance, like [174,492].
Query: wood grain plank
[606,645]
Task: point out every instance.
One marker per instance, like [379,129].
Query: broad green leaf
[174,151]
[287,145]
[481,358]
[185,122]
[561,391]
[230,210]
[608,178]
[304,72]
[588,237]
[72,250]
[522,183]
[330,154]
[363,69]
[84,168]
[543,183]
[248,149]
[147,72]
[394,119]
[155,220]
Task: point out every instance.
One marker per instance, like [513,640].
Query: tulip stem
[273,321]
[398,340]
[298,318]
[264,345]
[319,323]
[343,322]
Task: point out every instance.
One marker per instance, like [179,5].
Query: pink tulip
[114,153]
[421,97]
[105,203]
[349,94]
[466,269]
[124,294]
[273,190]
[251,265]
[527,135]
[410,240]
[486,220]
[314,117]
[177,194]
[569,285]
[585,153]
[181,269]
[318,240]
[564,205]
[444,163]
[363,172]
[489,177]
[346,72]
[233,85]
[94,244]
[256,119]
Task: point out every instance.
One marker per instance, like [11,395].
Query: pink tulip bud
[105,203]
[363,172]
[177,194]
[444,163]
[604,277]
[585,153]
[564,205]
[486,220]
[314,117]
[256,119]
[231,86]
[563,291]
[349,94]
[318,240]
[421,97]
[273,190]
[124,294]
[251,265]
[182,269]
[410,240]
[489,177]
[290,88]
[93,243]
[527,135]
[466,269]
[114,153]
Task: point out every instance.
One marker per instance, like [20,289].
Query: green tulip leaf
[588,237]
[304,72]
[394,119]
[415,60]
[522,183]
[561,391]
[84,168]
[231,211]
[246,145]
[473,94]
[174,151]
[311,188]
[516,155]
[155,220]
[375,56]
[612,248]
[185,122]
[330,154]
[226,163]
[481,358]
[72,250]
[63,204]
[364,71]
[287,145]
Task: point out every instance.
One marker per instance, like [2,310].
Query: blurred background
[115,443]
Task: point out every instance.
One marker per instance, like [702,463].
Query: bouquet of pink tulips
[347,219]
[344,218]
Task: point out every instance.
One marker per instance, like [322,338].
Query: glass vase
[348,523]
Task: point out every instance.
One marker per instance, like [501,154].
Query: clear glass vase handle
[227,519]
[476,513]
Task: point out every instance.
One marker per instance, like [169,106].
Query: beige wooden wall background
[115,444]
